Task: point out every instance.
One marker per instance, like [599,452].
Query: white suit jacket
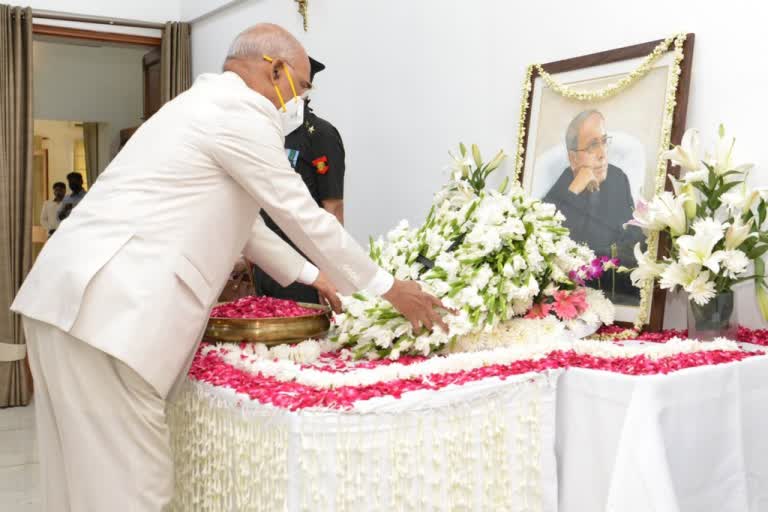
[136,268]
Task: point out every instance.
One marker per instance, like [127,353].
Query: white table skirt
[484,446]
[691,441]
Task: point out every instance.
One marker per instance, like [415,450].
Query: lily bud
[690,201]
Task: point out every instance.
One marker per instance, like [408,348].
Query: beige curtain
[91,143]
[15,195]
[175,60]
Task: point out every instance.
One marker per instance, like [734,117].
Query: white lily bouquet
[494,256]
[715,223]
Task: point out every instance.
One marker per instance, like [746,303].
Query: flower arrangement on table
[715,223]
[502,260]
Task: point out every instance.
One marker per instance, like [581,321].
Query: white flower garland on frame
[677,40]
[289,371]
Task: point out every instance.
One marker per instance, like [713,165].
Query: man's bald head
[246,57]
[266,39]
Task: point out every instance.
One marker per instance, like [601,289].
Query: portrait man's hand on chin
[588,154]
[595,196]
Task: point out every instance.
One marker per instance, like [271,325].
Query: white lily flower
[686,155]
[644,217]
[740,198]
[697,249]
[702,175]
[737,233]
[647,269]
[723,158]
[461,166]
[670,211]
[676,274]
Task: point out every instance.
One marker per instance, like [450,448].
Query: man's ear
[278,65]
[572,157]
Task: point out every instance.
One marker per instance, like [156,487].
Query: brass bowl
[270,331]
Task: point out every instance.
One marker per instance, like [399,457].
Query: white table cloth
[574,440]
[691,441]
[486,445]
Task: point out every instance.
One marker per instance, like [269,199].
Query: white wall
[408,80]
[158,11]
[145,10]
[61,137]
[196,9]
[81,83]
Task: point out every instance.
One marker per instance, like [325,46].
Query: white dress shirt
[49,217]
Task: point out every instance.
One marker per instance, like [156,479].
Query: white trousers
[102,436]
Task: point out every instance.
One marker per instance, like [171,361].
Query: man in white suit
[117,301]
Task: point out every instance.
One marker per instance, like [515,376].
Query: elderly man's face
[298,69]
[592,151]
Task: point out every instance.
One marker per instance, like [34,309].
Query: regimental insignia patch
[321,164]
[293,156]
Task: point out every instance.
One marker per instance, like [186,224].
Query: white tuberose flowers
[486,253]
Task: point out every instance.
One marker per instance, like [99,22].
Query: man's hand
[336,208]
[585,179]
[241,265]
[416,305]
[327,292]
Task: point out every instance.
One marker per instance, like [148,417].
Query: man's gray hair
[265,39]
[572,133]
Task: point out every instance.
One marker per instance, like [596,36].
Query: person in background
[316,152]
[49,217]
[75,180]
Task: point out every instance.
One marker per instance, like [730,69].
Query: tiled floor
[19,468]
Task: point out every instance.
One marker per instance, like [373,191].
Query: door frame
[94,35]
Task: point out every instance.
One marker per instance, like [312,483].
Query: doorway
[92,90]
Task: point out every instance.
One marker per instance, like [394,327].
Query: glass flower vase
[715,319]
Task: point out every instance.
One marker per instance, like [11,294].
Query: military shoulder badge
[321,164]
[293,156]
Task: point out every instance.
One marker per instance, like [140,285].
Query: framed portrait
[592,130]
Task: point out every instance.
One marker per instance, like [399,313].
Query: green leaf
[728,186]
[504,185]
[760,288]
[762,211]
[757,252]
[730,173]
[702,187]
[471,210]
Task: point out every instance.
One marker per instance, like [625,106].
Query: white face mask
[292,116]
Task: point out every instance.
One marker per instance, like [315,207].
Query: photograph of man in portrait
[596,199]
[592,160]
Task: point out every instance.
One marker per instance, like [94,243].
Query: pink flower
[260,307]
[569,305]
[212,369]
[539,311]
